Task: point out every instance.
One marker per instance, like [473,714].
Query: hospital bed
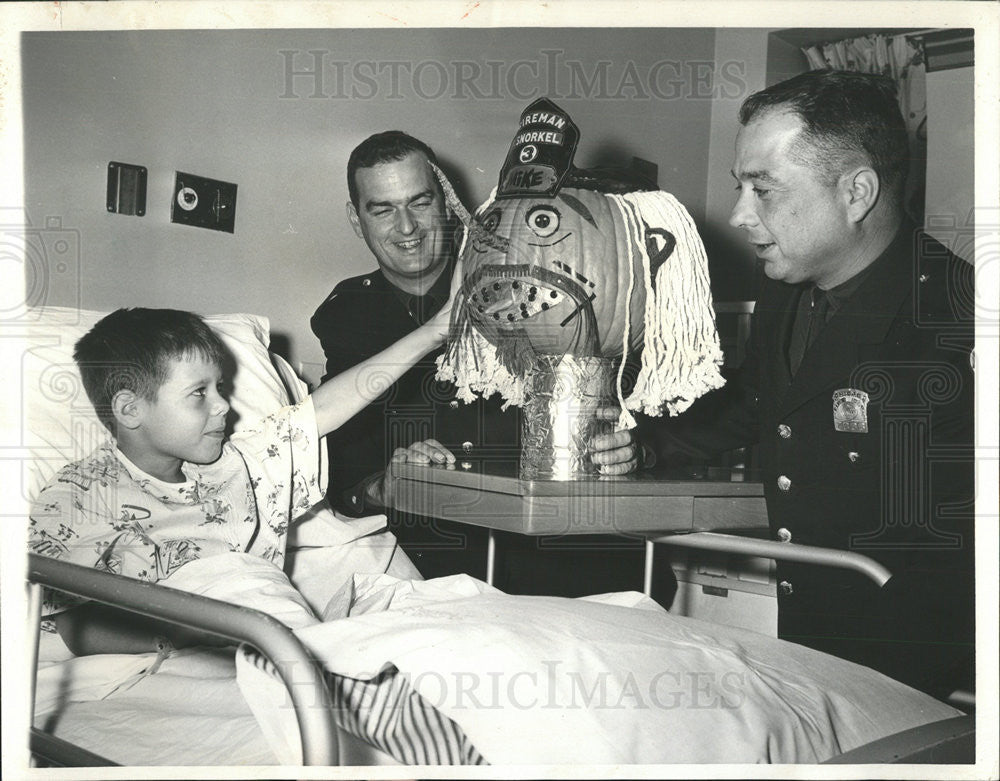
[627,682]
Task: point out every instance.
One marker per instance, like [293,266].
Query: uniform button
[924,277]
[784,483]
[854,456]
[365,282]
[467,447]
[453,403]
[784,535]
[785,588]
[784,431]
[354,500]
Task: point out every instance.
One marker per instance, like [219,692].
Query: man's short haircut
[848,117]
[131,349]
[380,148]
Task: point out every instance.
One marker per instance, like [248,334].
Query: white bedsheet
[544,680]
[190,712]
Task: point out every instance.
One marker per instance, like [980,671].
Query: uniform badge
[850,410]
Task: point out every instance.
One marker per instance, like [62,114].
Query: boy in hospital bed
[170,489]
[170,496]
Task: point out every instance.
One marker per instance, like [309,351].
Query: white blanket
[614,680]
[527,680]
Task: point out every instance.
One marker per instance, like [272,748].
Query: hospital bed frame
[310,695]
[951,741]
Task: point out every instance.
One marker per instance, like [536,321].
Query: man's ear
[127,409]
[861,189]
[354,219]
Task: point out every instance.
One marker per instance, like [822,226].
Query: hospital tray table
[646,504]
[692,508]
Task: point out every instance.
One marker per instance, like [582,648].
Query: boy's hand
[442,320]
[93,628]
[617,452]
[429,451]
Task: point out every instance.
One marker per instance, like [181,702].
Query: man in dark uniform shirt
[858,383]
[397,207]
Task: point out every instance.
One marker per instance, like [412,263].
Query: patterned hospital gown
[105,512]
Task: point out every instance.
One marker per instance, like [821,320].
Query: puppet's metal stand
[559,417]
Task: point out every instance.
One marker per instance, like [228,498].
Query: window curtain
[903,60]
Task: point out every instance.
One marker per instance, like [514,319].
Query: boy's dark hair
[130,349]
[845,114]
[382,148]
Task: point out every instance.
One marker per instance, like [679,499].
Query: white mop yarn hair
[681,356]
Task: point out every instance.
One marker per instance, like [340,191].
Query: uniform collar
[874,294]
[864,318]
[875,300]
[423,308]
[839,295]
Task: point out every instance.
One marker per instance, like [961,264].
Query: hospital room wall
[225,105]
[731,261]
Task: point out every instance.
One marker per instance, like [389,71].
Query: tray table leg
[491,551]
[647,572]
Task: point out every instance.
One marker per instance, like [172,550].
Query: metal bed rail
[309,693]
[952,741]
[786,551]
[771,549]
[61,753]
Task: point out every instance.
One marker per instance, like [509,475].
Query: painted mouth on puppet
[509,297]
[501,300]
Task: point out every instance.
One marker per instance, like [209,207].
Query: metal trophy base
[563,394]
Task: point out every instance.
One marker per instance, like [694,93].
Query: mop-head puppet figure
[563,262]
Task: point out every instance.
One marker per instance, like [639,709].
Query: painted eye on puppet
[543,221]
[492,220]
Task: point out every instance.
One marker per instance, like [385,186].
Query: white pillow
[59,424]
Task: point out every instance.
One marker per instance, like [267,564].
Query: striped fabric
[390,715]
[386,712]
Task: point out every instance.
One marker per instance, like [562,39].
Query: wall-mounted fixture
[126,189]
[205,203]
